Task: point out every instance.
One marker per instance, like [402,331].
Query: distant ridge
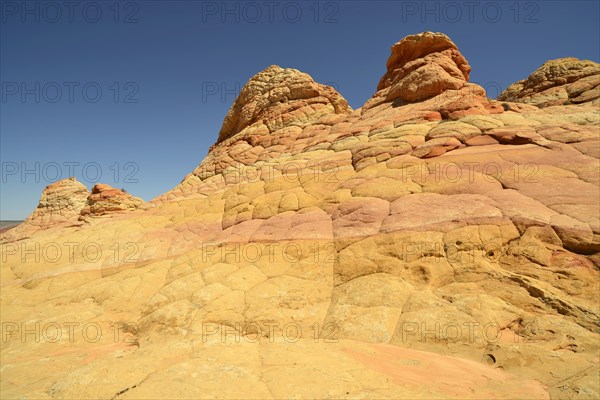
[9,223]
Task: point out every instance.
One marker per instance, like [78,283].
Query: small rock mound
[60,202]
[422,66]
[280,97]
[558,82]
[107,200]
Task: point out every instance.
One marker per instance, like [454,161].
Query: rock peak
[278,97]
[59,205]
[422,66]
[558,82]
[60,201]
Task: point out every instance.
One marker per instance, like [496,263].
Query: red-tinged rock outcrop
[558,82]
[423,66]
[106,200]
[427,73]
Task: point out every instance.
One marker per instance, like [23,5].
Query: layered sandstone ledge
[106,200]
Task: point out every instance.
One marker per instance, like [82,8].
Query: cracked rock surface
[431,244]
[557,82]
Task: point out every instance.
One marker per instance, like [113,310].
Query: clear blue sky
[171,60]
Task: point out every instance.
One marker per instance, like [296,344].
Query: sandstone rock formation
[68,203]
[428,68]
[277,98]
[427,245]
[60,204]
[423,66]
[558,82]
[105,199]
